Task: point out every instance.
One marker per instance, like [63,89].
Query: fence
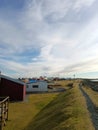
[4,103]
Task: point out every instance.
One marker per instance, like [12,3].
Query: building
[13,88]
[36,86]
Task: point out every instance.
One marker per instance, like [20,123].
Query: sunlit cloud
[49,37]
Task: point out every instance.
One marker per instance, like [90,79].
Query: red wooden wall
[12,89]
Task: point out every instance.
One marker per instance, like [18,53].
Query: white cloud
[80,3]
[63,46]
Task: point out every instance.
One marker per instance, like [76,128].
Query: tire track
[91,107]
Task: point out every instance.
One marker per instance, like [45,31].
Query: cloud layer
[53,37]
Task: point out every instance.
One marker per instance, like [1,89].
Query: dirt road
[91,107]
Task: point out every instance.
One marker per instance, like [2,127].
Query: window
[27,86]
[34,86]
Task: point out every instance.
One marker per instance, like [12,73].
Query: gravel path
[93,111]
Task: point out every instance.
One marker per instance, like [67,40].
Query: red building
[13,88]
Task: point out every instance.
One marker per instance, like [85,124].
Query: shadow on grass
[54,115]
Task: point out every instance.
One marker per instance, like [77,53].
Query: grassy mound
[63,111]
[22,113]
[66,112]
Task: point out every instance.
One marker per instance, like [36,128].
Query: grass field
[22,113]
[56,111]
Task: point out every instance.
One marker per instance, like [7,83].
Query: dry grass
[64,83]
[21,113]
[63,111]
[66,112]
[92,94]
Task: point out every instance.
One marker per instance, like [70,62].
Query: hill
[59,111]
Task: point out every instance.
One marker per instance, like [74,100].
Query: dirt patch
[91,107]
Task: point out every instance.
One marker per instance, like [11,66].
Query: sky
[49,38]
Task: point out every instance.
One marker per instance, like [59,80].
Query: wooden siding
[12,89]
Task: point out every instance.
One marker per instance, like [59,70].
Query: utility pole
[74,76]
[0,76]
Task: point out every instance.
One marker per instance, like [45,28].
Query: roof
[35,81]
[11,79]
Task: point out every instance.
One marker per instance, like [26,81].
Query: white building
[36,86]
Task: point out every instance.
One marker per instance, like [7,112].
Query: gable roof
[11,79]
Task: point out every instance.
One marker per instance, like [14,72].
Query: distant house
[36,86]
[13,88]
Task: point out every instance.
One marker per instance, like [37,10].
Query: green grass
[63,111]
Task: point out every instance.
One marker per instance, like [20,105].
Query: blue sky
[49,38]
